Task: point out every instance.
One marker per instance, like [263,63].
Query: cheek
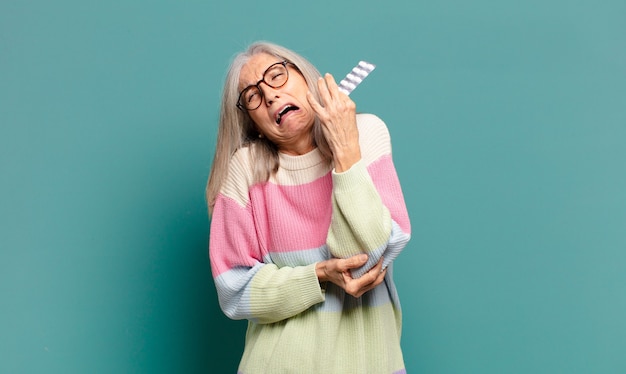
[305,88]
[261,119]
[299,85]
[259,115]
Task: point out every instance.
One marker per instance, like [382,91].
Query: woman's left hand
[337,114]
[338,271]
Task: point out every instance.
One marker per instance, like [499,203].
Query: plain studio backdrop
[508,123]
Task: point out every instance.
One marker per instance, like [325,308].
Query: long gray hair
[236,129]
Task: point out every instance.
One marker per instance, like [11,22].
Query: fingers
[322,87]
[367,282]
[315,105]
[333,107]
[337,271]
[355,261]
[327,87]
[329,90]
[331,85]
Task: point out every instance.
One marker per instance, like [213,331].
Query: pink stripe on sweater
[291,218]
[288,218]
[233,240]
[385,179]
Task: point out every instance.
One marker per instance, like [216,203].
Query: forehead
[252,71]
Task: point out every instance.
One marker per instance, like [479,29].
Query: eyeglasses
[275,76]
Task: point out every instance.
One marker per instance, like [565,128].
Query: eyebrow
[259,80]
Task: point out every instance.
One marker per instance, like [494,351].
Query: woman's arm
[247,287]
[369,212]
[365,183]
[250,289]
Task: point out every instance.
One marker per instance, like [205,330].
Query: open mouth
[286,109]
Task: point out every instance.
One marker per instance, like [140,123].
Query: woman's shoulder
[373,137]
[369,118]
[239,178]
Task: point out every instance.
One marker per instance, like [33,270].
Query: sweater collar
[300,162]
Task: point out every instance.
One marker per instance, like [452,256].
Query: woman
[307,216]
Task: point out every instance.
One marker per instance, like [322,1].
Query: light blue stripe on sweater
[233,291]
[390,250]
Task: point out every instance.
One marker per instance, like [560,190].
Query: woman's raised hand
[337,114]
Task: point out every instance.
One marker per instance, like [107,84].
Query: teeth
[283,111]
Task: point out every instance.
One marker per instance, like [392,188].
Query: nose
[269,93]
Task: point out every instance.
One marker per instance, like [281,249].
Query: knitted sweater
[267,237]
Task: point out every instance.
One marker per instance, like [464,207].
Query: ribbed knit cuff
[277,294]
[351,178]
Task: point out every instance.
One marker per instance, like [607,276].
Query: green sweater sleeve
[277,294]
[360,222]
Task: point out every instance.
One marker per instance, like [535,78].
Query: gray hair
[236,128]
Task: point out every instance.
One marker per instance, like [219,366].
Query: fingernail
[363,257]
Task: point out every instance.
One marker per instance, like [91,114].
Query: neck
[300,148]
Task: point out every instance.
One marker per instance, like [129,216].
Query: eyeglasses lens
[275,76]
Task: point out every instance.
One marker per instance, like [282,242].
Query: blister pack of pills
[355,77]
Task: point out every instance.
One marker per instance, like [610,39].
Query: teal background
[508,122]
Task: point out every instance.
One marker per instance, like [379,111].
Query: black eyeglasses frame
[262,80]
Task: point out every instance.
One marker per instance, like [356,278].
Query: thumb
[357,261]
